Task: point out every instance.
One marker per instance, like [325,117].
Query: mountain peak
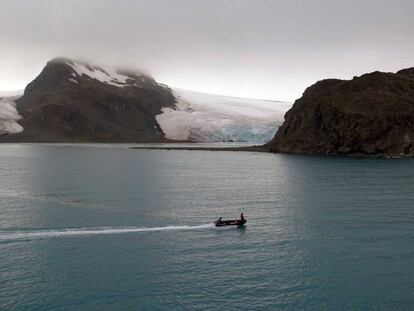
[119,77]
[73,100]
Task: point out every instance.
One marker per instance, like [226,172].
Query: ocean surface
[103,227]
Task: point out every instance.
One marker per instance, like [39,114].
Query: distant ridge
[11,93]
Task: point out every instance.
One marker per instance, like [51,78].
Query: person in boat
[219,220]
[241,217]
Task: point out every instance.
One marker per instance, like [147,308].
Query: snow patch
[9,117]
[204,117]
[73,80]
[104,75]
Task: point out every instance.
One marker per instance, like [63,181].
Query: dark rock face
[63,104]
[371,114]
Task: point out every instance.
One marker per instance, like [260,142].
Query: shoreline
[262,148]
[198,148]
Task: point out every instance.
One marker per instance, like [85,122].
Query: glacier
[9,115]
[202,117]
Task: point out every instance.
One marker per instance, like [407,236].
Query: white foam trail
[45,234]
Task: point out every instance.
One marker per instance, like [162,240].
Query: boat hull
[234,222]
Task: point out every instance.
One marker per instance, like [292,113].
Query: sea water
[101,227]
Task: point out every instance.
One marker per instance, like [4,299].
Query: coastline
[176,145]
[186,146]
[254,148]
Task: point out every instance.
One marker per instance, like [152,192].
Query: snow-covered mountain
[202,117]
[74,101]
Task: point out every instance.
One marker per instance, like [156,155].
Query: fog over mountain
[75,101]
[255,49]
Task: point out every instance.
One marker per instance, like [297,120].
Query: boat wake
[46,234]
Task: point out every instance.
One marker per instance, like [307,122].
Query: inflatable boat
[234,222]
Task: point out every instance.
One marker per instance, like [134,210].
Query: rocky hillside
[71,101]
[371,114]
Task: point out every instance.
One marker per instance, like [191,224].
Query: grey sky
[263,49]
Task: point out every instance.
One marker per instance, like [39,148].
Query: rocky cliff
[72,101]
[371,114]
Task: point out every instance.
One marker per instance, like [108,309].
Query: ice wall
[204,117]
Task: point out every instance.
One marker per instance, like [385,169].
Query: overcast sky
[257,48]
